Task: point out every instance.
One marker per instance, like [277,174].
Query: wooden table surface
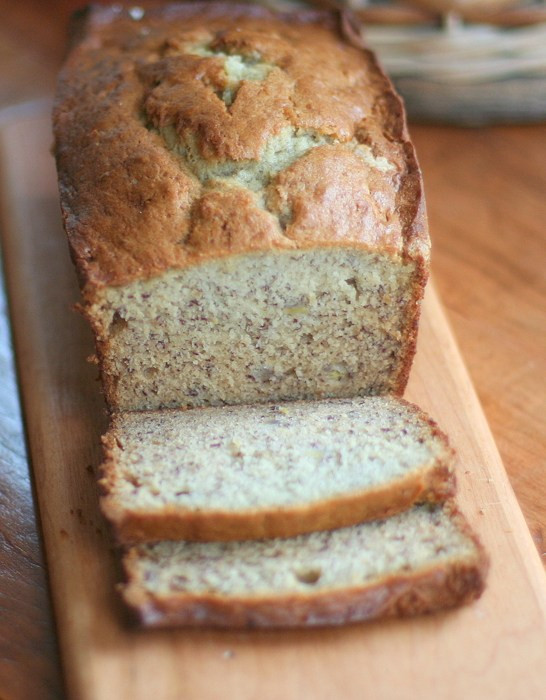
[486,192]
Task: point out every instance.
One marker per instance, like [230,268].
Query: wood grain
[24,601]
[104,657]
[485,195]
[29,666]
[31,46]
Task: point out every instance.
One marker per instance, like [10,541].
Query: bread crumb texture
[246,329]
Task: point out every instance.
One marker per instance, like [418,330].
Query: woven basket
[466,73]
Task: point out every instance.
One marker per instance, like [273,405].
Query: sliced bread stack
[305,513]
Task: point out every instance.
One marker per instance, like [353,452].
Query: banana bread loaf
[243,206]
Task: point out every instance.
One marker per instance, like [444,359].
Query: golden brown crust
[434,483]
[443,586]
[411,330]
[133,208]
[405,595]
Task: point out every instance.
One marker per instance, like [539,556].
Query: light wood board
[495,648]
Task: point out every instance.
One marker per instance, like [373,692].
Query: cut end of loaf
[417,562]
[332,322]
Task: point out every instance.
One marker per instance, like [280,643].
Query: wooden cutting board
[495,648]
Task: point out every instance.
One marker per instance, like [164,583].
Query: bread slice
[247,472]
[419,561]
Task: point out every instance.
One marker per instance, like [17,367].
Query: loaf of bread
[419,561]
[246,216]
[247,472]
[243,206]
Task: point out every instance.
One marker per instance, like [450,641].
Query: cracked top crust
[201,130]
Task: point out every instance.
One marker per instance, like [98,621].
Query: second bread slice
[248,472]
[420,561]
